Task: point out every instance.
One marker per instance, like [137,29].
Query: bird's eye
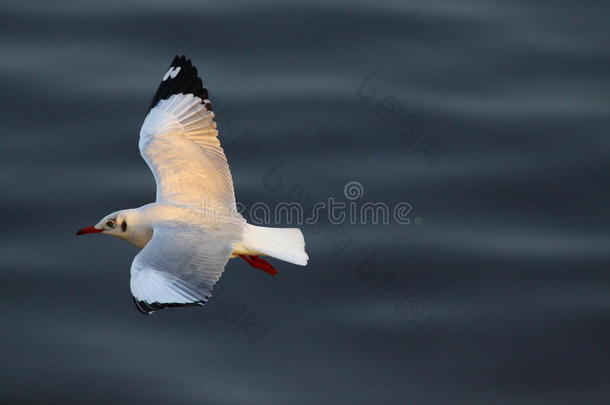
[110,223]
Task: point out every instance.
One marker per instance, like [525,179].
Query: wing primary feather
[149,309]
[185,81]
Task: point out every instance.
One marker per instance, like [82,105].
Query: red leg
[260,264]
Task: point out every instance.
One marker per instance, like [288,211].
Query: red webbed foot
[260,264]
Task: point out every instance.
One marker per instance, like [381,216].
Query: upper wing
[179,142]
[180,265]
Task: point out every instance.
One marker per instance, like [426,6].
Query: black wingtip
[181,78]
[149,309]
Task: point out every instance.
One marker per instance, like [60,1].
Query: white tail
[286,244]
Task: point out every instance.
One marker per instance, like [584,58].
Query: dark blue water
[489,118]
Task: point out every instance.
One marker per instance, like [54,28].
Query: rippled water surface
[489,118]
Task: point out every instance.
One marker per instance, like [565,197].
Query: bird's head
[114,224]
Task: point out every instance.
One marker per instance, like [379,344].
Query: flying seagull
[190,232]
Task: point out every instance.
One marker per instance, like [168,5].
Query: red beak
[89,229]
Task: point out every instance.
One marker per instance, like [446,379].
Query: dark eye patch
[124,226]
[110,223]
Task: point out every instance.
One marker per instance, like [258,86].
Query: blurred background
[490,118]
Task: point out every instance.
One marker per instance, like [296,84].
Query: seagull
[190,232]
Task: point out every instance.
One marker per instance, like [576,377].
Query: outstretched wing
[179,142]
[180,265]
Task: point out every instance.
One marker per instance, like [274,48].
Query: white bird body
[190,232]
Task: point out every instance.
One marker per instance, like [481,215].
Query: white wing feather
[181,263]
[179,142]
